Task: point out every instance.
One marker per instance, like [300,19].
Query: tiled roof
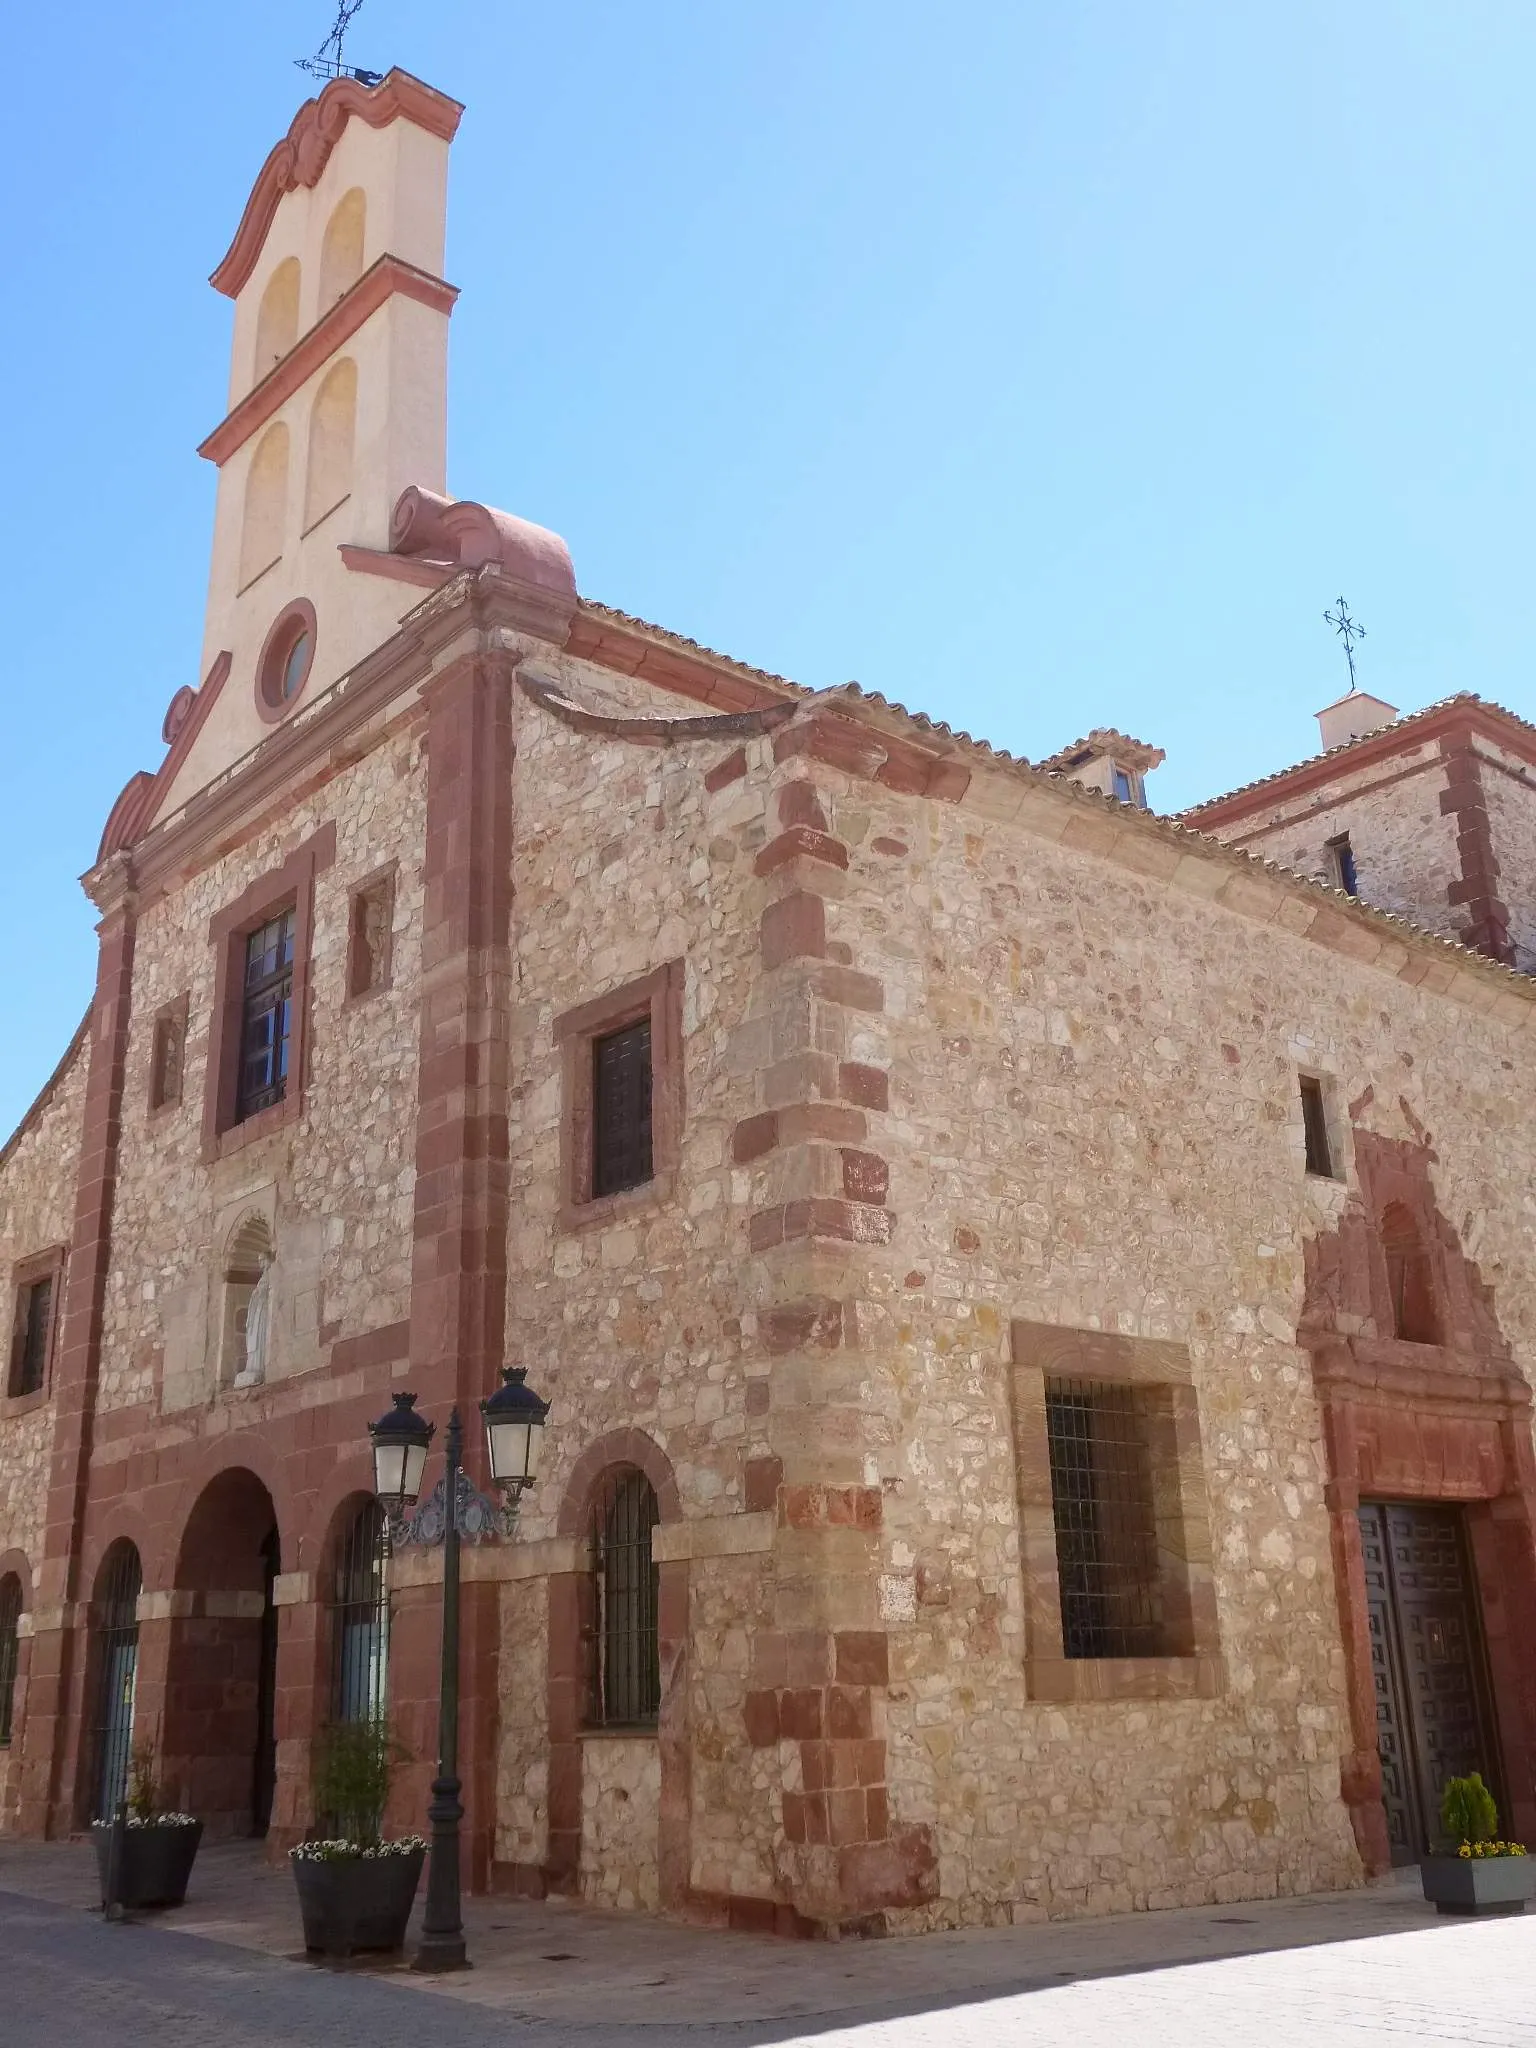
[1398,725]
[593,609]
[1104,739]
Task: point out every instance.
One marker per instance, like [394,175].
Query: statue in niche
[258,1316]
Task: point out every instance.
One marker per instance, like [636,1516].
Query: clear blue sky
[1040,365]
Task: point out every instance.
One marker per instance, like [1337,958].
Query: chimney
[1352,717]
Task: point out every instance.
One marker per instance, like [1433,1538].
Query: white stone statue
[258,1316]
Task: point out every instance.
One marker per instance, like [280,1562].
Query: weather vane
[1349,633]
[327,61]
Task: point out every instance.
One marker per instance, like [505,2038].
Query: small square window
[1314,1119]
[370,936]
[32,1334]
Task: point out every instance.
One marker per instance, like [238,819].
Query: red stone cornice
[1456,717]
[379,282]
[305,150]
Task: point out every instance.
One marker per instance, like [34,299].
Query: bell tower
[337,402]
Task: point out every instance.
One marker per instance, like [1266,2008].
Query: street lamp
[514,1428]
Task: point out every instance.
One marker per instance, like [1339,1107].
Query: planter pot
[356,1905]
[1479,1884]
[155,1864]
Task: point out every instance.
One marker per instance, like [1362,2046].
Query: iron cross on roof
[1349,632]
[327,60]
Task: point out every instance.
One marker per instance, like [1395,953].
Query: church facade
[1037,1298]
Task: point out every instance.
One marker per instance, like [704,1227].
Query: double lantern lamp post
[514,1432]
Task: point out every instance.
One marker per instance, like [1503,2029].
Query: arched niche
[247,1255]
[1410,1278]
[277,318]
[332,433]
[266,505]
[341,252]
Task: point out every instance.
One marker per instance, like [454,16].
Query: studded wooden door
[1432,1715]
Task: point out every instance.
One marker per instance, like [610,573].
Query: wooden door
[1432,1708]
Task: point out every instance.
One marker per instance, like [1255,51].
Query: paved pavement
[1350,1970]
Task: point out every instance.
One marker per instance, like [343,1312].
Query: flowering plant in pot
[355,1889]
[157,1847]
[1486,1874]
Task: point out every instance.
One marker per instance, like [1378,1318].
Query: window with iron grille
[625,1667]
[32,1335]
[10,1652]
[266,1016]
[621,1109]
[360,1619]
[1106,1522]
[115,1648]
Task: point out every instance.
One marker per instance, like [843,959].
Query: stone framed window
[10,1653]
[258,1042]
[1114,1525]
[168,1054]
[1316,1125]
[370,934]
[622,1097]
[622,1632]
[37,1286]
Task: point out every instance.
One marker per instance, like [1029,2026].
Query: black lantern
[400,1443]
[514,1430]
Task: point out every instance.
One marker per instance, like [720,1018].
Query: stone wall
[1510,793]
[620,1807]
[1094,1123]
[335,1188]
[37,1202]
[1404,845]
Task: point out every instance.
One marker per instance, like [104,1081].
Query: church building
[1037,1298]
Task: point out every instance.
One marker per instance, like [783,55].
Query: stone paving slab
[579,1966]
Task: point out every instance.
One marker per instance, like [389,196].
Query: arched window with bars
[360,1618]
[114,1626]
[624,1660]
[10,1653]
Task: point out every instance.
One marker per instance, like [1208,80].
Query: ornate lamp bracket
[478,1518]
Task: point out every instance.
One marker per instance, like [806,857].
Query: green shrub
[355,1764]
[1467,1811]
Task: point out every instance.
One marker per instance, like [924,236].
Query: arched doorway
[114,1664]
[218,1754]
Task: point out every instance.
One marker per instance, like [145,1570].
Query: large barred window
[1106,1525]
[10,1652]
[360,1619]
[625,1665]
[114,1624]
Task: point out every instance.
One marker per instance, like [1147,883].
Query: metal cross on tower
[327,60]
[1349,632]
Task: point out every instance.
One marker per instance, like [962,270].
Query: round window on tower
[286,659]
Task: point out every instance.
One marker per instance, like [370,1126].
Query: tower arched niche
[1410,1277]
[341,252]
[266,505]
[332,435]
[277,318]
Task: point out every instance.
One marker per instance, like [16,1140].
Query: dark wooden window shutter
[621,1109]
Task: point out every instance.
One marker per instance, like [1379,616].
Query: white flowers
[154,1820]
[346,1852]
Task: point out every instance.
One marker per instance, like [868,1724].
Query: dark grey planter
[358,1905]
[1478,1884]
[155,1865]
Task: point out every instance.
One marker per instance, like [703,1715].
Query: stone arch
[218,1753]
[249,1254]
[277,318]
[658,1760]
[332,435]
[265,516]
[341,252]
